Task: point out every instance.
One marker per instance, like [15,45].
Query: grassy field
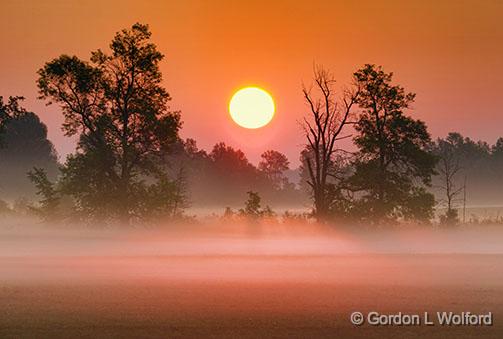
[97,285]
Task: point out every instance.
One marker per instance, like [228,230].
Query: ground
[234,287]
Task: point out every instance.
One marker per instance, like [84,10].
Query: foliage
[253,209]
[252,205]
[450,218]
[394,165]
[9,110]
[25,146]
[295,218]
[273,165]
[50,198]
[221,176]
[118,108]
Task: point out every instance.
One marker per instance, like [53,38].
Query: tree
[25,146]
[327,118]
[497,156]
[252,205]
[273,165]
[497,148]
[448,168]
[50,198]
[253,208]
[230,173]
[180,200]
[394,163]
[9,110]
[229,159]
[117,106]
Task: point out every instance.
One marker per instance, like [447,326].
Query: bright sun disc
[251,107]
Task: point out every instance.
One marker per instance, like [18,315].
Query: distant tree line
[468,170]
[222,176]
[131,165]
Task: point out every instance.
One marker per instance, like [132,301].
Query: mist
[218,249]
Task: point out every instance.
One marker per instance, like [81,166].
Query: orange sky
[449,52]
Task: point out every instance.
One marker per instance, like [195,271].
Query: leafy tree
[220,177]
[273,165]
[117,106]
[8,110]
[50,197]
[394,163]
[252,205]
[497,148]
[227,158]
[497,157]
[230,173]
[253,208]
[25,146]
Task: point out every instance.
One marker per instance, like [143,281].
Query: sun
[252,107]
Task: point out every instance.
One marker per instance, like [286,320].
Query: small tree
[50,198]
[252,205]
[253,208]
[448,168]
[180,200]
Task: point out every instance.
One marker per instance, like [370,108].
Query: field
[93,284]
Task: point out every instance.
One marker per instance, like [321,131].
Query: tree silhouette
[394,164]
[273,165]
[253,208]
[117,106]
[50,198]
[25,145]
[8,110]
[449,167]
[222,176]
[231,172]
[322,129]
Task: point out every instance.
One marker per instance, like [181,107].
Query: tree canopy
[117,106]
[394,164]
[24,145]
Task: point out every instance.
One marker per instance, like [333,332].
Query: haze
[449,53]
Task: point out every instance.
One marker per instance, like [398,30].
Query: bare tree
[180,200]
[328,115]
[448,167]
